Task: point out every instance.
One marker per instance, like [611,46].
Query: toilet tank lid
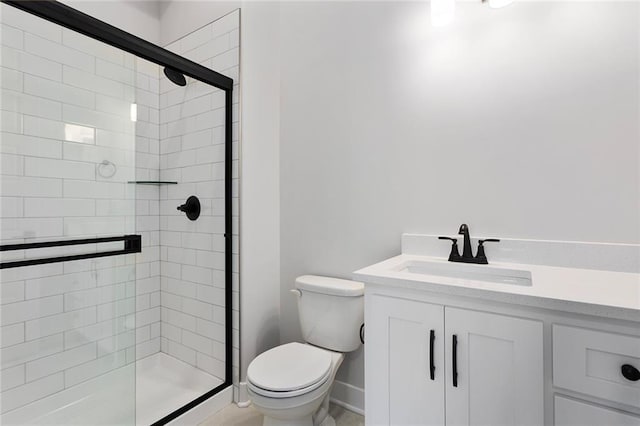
[328,285]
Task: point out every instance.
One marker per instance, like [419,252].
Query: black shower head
[175,76]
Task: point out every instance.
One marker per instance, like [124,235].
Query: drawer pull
[630,372]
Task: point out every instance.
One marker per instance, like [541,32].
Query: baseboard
[348,396]
[242,398]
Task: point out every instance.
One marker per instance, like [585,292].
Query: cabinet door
[400,390]
[499,370]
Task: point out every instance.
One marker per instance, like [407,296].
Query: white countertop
[584,291]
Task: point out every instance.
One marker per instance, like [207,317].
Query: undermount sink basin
[488,273]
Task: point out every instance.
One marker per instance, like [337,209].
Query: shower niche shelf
[152,182]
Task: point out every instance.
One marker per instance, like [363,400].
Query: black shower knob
[191,207]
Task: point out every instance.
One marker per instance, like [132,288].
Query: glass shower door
[67,151]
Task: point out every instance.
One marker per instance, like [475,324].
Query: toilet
[291,384]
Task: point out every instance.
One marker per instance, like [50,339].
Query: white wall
[260,192]
[140,18]
[181,17]
[521,122]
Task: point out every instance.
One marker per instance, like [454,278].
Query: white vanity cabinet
[546,334]
[427,362]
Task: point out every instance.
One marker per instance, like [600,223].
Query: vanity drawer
[569,412]
[590,362]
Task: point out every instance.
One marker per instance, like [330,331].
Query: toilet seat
[289,370]
[287,394]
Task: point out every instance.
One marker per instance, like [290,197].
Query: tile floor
[234,416]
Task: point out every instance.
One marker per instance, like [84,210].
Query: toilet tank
[331,311]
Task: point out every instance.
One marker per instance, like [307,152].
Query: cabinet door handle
[432,367]
[454,355]
[630,373]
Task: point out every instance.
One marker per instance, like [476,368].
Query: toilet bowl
[291,383]
[297,398]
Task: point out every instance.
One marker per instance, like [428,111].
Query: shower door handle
[131,244]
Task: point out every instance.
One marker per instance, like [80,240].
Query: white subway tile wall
[192,153]
[147,205]
[66,102]
[66,108]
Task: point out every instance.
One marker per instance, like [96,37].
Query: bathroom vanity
[532,338]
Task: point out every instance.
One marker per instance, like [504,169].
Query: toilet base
[328,421]
[320,417]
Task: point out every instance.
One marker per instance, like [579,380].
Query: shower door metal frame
[80,22]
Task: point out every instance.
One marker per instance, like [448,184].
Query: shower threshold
[163,384]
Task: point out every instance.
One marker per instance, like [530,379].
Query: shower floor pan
[163,384]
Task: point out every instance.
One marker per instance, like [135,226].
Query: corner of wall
[259,193]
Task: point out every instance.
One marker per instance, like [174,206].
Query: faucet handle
[481,257]
[454,256]
[488,240]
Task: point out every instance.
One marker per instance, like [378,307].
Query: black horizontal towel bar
[132,244]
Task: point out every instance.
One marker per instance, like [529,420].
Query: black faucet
[467,253]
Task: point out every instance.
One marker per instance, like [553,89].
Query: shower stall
[118,196]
